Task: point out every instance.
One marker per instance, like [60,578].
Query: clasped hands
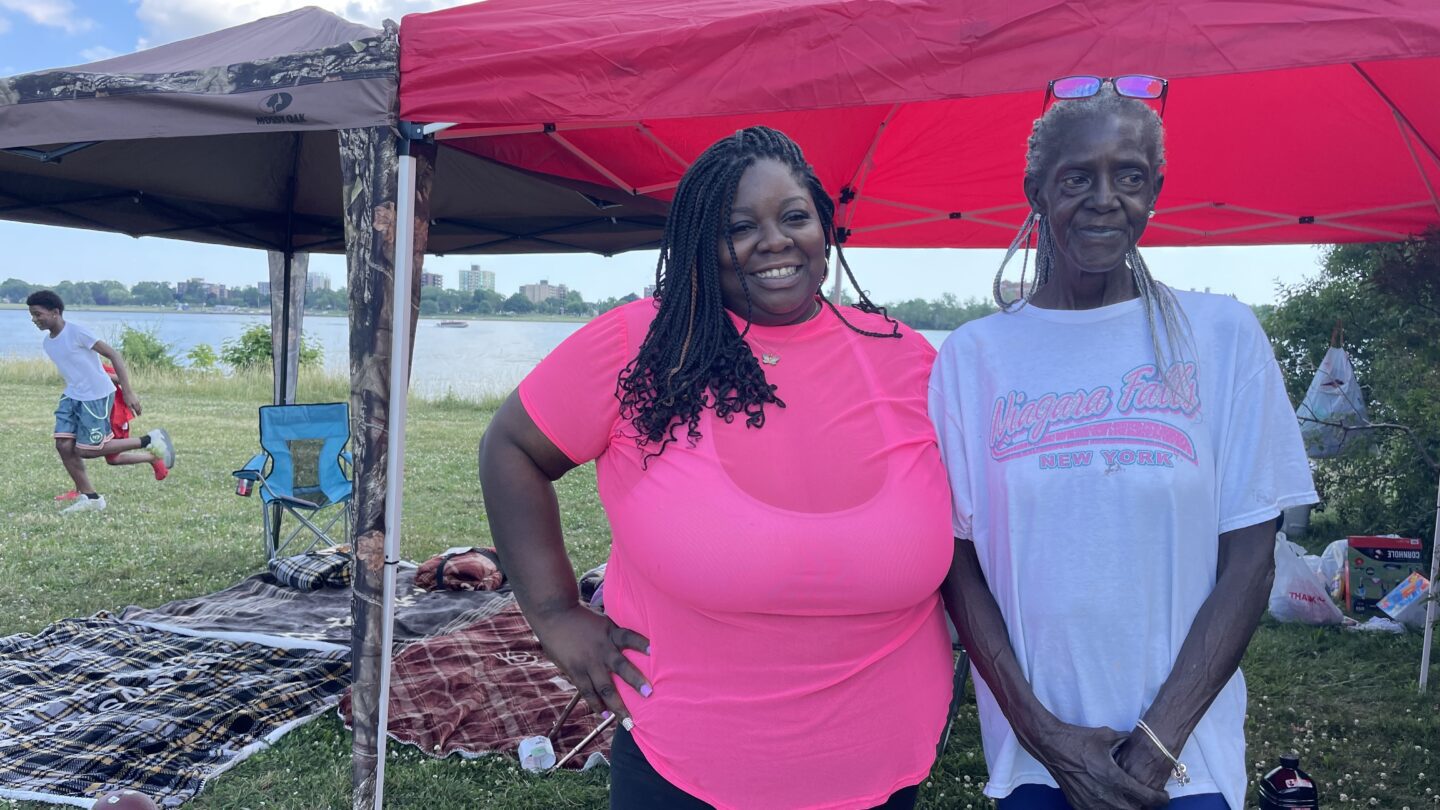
[1104,769]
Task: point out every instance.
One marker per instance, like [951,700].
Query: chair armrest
[253,469]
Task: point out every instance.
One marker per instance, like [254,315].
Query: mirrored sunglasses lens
[1076,86]
[1139,86]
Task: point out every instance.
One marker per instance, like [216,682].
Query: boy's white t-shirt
[1095,495]
[72,352]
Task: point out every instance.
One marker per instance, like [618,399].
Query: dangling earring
[1021,240]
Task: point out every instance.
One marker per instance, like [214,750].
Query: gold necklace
[771,357]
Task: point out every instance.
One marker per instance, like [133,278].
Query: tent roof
[1287,122]
[200,139]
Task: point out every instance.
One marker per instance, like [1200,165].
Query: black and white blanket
[92,705]
[260,605]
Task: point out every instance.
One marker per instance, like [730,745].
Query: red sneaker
[67,496]
[158,465]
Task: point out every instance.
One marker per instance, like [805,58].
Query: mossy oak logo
[274,107]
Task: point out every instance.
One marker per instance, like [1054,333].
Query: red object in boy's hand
[124,800]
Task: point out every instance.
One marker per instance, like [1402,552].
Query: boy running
[82,420]
[120,416]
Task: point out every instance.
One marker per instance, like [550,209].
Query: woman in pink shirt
[774,636]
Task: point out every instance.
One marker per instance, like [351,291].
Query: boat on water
[455,324]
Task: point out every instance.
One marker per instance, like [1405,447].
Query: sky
[40,34]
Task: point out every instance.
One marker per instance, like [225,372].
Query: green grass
[1345,701]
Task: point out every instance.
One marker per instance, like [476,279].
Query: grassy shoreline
[1345,701]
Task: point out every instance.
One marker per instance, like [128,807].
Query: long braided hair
[693,357]
[1041,153]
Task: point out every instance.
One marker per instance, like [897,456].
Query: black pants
[634,785]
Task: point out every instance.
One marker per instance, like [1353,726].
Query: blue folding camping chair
[304,470]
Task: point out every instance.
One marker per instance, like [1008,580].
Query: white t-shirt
[1095,496]
[73,354]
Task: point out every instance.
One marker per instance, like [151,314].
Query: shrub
[202,357]
[253,349]
[143,348]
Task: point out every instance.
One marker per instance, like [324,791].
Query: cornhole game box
[1374,566]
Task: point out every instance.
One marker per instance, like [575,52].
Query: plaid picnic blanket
[259,604]
[482,689]
[93,705]
[311,570]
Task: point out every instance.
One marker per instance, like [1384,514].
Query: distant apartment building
[263,288]
[317,281]
[432,280]
[544,291]
[477,279]
[649,291]
[199,287]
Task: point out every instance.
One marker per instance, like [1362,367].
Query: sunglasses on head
[1134,85]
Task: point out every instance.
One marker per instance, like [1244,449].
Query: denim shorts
[87,422]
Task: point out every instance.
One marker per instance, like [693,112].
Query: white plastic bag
[1332,567]
[1298,595]
[1332,415]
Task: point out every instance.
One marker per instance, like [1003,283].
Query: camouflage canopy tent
[280,135]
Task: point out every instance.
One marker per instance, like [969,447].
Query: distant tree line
[943,313]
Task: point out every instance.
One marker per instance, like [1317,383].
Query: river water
[486,358]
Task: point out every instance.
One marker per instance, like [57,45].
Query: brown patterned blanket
[482,689]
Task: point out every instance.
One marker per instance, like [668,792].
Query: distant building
[263,288]
[432,280]
[544,291]
[317,281]
[477,279]
[1010,290]
[649,291]
[199,287]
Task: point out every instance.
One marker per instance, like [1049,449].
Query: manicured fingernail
[647,649]
[604,715]
[645,690]
[628,724]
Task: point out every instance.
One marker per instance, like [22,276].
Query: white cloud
[4,26]
[97,53]
[169,20]
[51,13]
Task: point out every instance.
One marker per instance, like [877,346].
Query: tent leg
[395,451]
[1432,593]
[371,175]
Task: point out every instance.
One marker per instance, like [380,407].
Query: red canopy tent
[1288,122]
[1291,121]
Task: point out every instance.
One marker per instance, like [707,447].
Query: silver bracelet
[1181,777]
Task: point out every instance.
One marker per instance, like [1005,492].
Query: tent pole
[282,362]
[395,451]
[1431,593]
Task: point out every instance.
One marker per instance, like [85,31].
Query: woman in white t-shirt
[1118,455]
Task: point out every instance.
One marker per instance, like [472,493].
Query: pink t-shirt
[787,577]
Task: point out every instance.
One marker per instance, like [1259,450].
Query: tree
[945,312]
[1388,298]
[15,291]
[153,293]
[518,304]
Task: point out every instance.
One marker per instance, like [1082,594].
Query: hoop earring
[1032,221]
